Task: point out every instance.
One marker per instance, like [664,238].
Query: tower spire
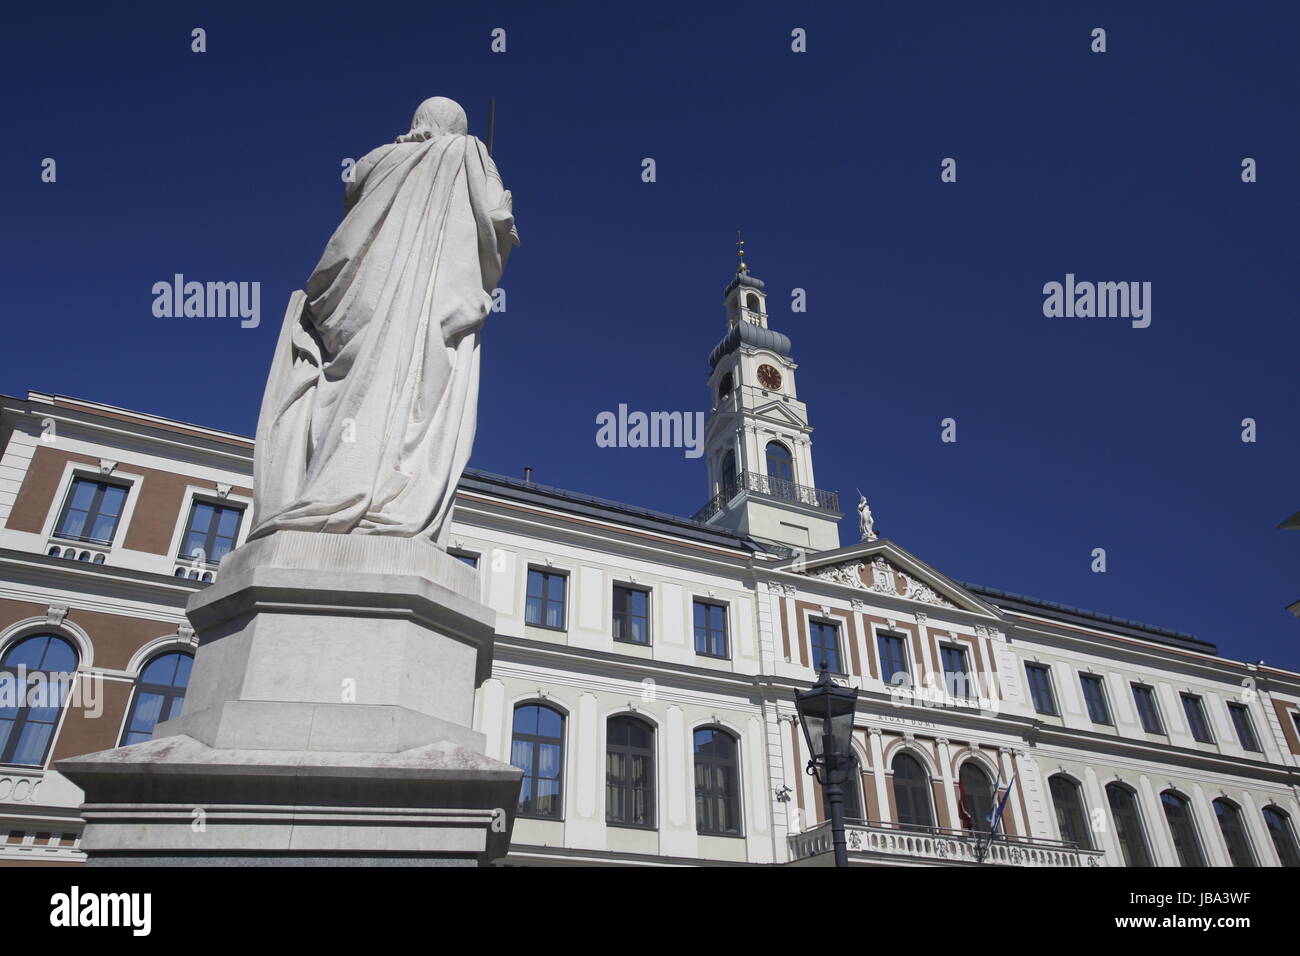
[758,448]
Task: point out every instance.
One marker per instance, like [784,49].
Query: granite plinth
[178,801]
[328,717]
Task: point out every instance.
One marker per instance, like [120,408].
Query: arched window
[780,465]
[629,773]
[912,793]
[159,695]
[1233,829]
[1182,828]
[727,474]
[725,386]
[976,791]
[1128,825]
[751,302]
[717,782]
[38,672]
[538,750]
[1283,834]
[1067,796]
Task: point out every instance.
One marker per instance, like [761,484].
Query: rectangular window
[1196,722]
[545,604]
[91,511]
[1094,694]
[1040,688]
[956,670]
[211,532]
[1245,729]
[826,647]
[1148,712]
[893,659]
[710,629]
[631,614]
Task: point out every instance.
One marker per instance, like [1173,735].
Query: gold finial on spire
[740,252]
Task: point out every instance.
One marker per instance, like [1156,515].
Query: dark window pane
[826,647]
[1183,830]
[1245,729]
[956,671]
[1067,796]
[537,748]
[629,774]
[1234,833]
[893,660]
[1128,825]
[545,599]
[159,695]
[1040,688]
[1196,722]
[1094,695]
[38,673]
[1283,835]
[710,629]
[631,615]
[717,797]
[211,532]
[912,793]
[1148,713]
[975,803]
[91,511]
[780,465]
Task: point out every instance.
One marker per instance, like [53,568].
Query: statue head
[434,117]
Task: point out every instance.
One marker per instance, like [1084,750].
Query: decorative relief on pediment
[884,578]
[849,573]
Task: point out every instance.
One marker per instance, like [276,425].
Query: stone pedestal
[327,720]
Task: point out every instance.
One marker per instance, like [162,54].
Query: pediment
[881,567]
[779,412]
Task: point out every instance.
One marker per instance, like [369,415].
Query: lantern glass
[828,707]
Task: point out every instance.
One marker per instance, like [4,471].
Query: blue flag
[1002,805]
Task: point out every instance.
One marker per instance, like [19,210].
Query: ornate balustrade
[874,841]
[756,483]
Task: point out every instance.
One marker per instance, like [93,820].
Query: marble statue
[866,523]
[371,404]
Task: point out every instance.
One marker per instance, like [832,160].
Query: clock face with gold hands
[769,377]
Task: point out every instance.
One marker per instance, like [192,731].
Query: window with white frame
[211,531]
[91,511]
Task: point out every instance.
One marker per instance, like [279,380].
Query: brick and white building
[646,664]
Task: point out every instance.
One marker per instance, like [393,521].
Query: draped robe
[371,404]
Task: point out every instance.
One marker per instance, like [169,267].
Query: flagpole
[995,817]
[982,845]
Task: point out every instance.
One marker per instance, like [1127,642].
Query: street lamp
[826,714]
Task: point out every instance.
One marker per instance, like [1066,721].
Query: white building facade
[646,665]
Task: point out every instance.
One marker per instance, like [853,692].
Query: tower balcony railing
[879,842]
[778,488]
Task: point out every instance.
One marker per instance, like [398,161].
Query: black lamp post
[826,713]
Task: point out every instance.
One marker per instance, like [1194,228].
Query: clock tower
[758,443]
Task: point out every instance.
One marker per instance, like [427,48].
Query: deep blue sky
[924,298]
